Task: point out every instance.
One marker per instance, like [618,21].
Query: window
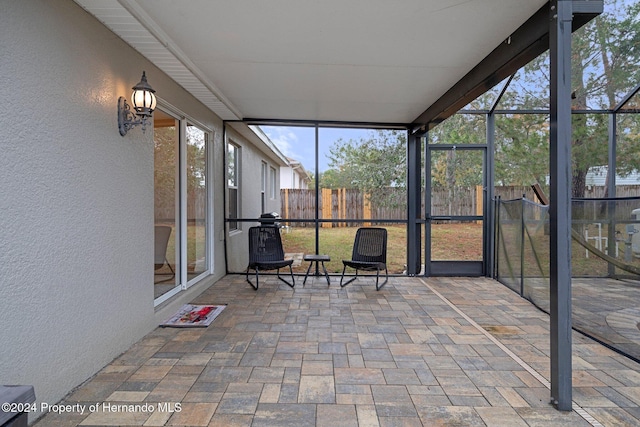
[272,183]
[263,188]
[233,181]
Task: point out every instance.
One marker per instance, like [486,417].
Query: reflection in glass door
[456,204]
[181,186]
[167,232]
[197,218]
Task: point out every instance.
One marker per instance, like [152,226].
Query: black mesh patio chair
[161,240]
[266,253]
[369,254]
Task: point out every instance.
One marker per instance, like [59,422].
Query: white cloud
[284,138]
[298,142]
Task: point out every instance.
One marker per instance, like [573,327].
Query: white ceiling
[383,61]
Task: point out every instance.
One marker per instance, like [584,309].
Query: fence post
[366,211]
[339,212]
[326,207]
[286,203]
[344,207]
[341,206]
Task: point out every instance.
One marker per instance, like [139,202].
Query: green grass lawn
[537,255]
[450,242]
[457,241]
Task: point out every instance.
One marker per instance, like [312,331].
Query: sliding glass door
[182,239]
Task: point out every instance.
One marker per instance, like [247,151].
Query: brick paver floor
[433,352]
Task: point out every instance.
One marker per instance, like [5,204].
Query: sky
[298,143]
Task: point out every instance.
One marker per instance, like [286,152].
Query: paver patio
[434,352]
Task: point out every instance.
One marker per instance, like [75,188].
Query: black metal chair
[369,254]
[266,253]
[161,239]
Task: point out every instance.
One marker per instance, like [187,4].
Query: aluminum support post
[317,189]
[611,190]
[560,203]
[413,203]
[489,185]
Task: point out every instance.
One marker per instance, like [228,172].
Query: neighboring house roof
[259,139]
[597,176]
[299,168]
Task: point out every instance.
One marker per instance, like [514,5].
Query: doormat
[194,316]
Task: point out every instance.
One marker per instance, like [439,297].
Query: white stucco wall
[76,198]
[287,177]
[250,196]
[291,178]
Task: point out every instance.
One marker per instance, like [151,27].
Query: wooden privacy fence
[333,204]
[353,204]
[165,206]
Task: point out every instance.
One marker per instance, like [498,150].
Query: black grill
[270,219]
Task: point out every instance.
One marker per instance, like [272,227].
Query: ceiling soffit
[348,72]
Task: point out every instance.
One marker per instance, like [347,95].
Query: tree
[196,159]
[376,165]
[620,59]
[522,149]
[165,160]
[605,66]
[450,168]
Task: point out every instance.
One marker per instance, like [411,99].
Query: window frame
[263,189]
[233,186]
[273,181]
[208,219]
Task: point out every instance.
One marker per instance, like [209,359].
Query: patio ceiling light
[144,102]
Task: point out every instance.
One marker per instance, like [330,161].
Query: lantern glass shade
[144,102]
[143,98]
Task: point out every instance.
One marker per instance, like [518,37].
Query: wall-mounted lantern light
[144,102]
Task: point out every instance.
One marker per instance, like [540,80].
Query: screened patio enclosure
[457,187]
[323,218]
[507,235]
[560,212]
[414,64]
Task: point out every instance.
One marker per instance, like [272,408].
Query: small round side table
[317,259]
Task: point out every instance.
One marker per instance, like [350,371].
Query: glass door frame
[455,267]
[209,135]
[177,225]
[181,209]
